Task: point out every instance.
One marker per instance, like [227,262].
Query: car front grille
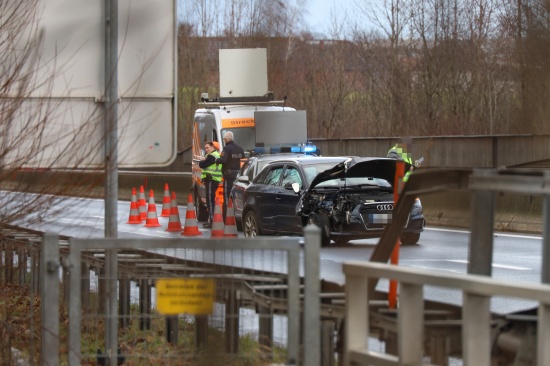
[377,215]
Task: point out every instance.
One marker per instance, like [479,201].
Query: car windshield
[355,182]
[315,169]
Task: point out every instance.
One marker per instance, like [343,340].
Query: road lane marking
[495,234]
[494,265]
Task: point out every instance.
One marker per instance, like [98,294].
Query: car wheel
[410,238]
[200,209]
[322,222]
[239,224]
[251,227]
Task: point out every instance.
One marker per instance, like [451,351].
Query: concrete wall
[450,151]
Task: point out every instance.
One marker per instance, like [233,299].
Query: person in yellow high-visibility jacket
[211,175]
[402,151]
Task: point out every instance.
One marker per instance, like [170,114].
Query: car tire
[410,238]
[342,242]
[200,209]
[322,222]
[251,226]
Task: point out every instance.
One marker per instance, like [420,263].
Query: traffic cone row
[134,217]
[174,223]
[166,202]
[152,218]
[191,227]
[230,223]
[138,214]
[142,204]
[217,221]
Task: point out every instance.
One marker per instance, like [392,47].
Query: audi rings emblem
[386,207]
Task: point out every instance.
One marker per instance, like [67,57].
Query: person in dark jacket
[230,160]
[211,175]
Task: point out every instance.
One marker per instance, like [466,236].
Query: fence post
[76,272]
[265,330]
[312,304]
[201,331]
[231,322]
[49,305]
[8,264]
[144,304]
[480,256]
[293,301]
[124,289]
[171,327]
[22,265]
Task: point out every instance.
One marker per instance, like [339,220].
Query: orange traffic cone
[134,218]
[152,218]
[142,204]
[230,223]
[191,228]
[174,222]
[166,202]
[217,222]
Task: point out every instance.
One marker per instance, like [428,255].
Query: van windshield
[244,137]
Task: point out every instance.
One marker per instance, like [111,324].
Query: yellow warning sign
[185,296]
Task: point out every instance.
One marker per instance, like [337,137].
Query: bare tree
[527,27]
[25,118]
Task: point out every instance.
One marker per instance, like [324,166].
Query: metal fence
[257,315]
[476,333]
[482,336]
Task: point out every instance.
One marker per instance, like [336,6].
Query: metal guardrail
[478,287]
[477,293]
[79,257]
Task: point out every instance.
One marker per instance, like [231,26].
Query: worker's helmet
[216,145]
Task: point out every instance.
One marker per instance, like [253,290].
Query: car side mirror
[296,187]
[243,179]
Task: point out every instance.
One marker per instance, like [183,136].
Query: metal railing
[478,287]
[241,281]
[476,333]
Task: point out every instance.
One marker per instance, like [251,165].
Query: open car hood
[383,168]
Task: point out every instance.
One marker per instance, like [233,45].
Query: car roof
[279,156]
[305,159]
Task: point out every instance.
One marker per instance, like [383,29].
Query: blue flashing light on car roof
[309,149]
[260,150]
[304,149]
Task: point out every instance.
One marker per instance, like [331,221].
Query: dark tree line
[416,68]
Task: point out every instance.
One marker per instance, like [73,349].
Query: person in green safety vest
[211,175]
[402,151]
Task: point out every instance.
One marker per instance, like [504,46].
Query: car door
[265,194]
[286,199]
[237,193]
